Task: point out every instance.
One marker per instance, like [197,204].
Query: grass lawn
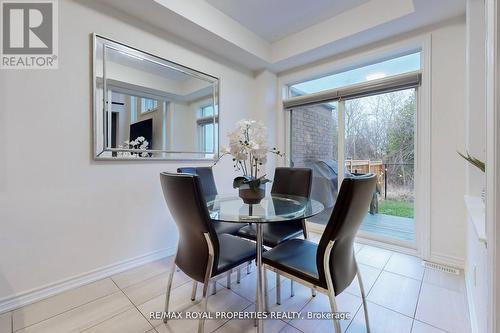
[396,208]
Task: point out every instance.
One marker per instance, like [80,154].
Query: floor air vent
[442,268]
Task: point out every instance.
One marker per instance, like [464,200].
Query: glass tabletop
[273,208]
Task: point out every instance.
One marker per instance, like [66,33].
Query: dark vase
[252,196]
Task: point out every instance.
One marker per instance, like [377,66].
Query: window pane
[133,109]
[379,138]
[208,131]
[314,144]
[207,111]
[379,70]
[148,104]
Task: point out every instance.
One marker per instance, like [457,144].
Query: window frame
[421,43]
[203,121]
[155,108]
[360,65]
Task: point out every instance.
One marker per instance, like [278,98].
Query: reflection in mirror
[152,108]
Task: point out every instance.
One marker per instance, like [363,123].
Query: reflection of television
[142,128]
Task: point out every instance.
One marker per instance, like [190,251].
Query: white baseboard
[448,260]
[27,297]
[471,307]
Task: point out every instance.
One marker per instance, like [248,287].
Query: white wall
[59,212]
[476,93]
[63,214]
[448,135]
[266,103]
[182,127]
[493,163]
[477,265]
[447,235]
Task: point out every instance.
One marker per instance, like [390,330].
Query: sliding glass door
[380,139]
[361,120]
[374,134]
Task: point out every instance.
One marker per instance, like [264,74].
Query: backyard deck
[390,226]
[401,228]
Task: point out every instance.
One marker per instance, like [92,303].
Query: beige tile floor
[403,297]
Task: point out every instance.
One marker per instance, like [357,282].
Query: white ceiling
[273,20]
[279,35]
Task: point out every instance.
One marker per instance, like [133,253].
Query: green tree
[401,138]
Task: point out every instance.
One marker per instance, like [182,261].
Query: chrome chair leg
[214,287]
[333,306]
[266,294]
[193,291]
[292,291]
[363,297]
[329,283]
[169,288]
[278,289]
[306,236]
[204,303]
[206,283]
[238,275]
[228,279]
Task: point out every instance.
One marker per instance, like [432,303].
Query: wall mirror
[146,107]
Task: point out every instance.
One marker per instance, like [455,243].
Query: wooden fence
[377,167]
[366,166]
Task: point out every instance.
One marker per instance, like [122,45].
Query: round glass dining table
[273,208]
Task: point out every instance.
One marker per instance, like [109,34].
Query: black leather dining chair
[209,188]
[329,266]
[288,181]
[207,179]
[202,254]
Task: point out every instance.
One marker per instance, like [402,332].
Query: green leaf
[238,181]
[474,161]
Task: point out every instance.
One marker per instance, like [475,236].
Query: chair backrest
[292,181]
[206,178]
[187,205]
[351,207]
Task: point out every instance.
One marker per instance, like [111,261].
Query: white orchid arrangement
[140,143]
[248,147]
